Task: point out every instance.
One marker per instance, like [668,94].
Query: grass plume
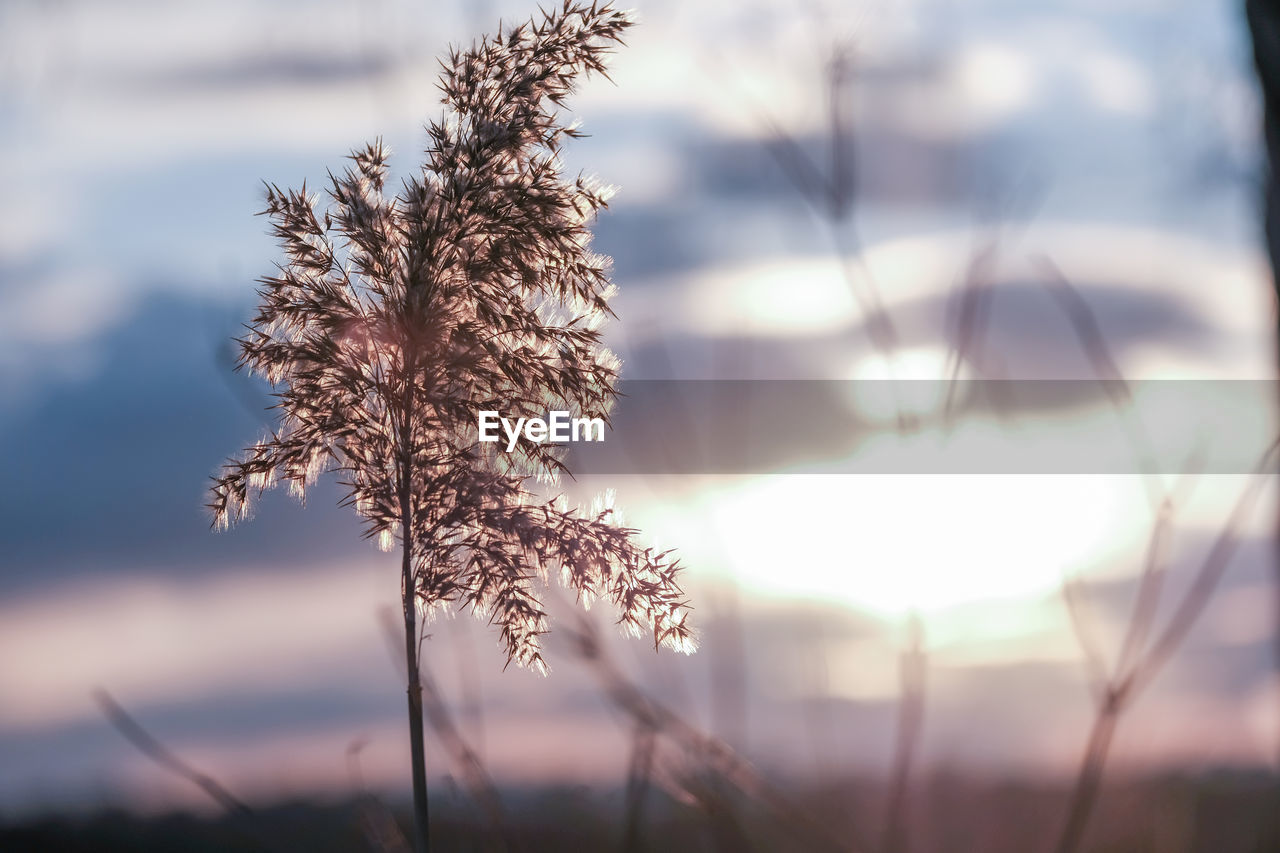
[395,318]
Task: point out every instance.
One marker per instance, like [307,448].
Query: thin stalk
[1123,686]
[1264,25]
[133,732]
[910,724]
[720,759]
[417,745]
[643,744]
[1089,780]
[153,749]
[472,770]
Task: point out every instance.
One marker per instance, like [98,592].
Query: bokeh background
[775,160]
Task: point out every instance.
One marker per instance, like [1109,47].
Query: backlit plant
[395,318]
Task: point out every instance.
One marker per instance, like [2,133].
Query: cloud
[260,70]
[115,461]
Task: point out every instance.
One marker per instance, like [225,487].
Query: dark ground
[1221,812]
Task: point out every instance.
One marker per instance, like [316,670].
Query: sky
[1116,142]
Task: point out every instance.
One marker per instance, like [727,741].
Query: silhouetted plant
[394,320]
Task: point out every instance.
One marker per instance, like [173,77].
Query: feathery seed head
[393,320]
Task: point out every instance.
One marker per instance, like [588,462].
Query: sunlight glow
[884,402]
[893,544]
[996,81]
[775,299]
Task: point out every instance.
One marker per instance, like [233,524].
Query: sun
[893,544]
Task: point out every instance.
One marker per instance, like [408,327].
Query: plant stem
[421,818]
[910,723]
[1088,782]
